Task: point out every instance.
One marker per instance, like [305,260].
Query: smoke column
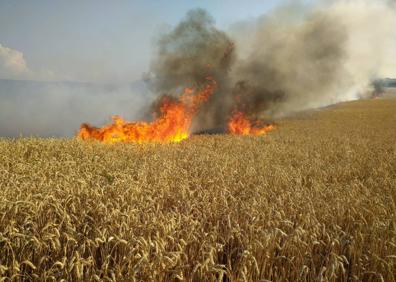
[305,57]
[297,57]
[189,54]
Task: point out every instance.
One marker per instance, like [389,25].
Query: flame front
[239,124]
[172,125]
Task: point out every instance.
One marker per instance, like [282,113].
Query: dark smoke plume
[189,54]
[295,58]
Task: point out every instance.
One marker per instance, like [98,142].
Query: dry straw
[312,201]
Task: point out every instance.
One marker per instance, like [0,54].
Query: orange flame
[172,126]
[239,124]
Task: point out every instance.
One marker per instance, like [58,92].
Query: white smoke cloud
[371,43]
[34,102]
[305,56]
[58,108]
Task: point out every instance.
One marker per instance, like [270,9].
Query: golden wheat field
[314,200]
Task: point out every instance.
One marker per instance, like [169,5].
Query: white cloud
[12,64]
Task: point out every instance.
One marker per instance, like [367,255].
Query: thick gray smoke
[188,55]
[305,57]
[295,58]
[191,52]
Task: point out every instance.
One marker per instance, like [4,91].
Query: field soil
[314,200]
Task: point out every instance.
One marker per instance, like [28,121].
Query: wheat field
[314,200]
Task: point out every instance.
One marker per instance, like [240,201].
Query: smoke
[191,52]
[57,109]
[306,57]
[188,55]
[33,104]
[297,57]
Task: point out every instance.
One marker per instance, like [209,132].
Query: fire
[239,124]
[172,125]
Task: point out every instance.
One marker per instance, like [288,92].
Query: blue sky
[101,40]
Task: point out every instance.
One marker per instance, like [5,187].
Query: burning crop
[173,124]
[239,124]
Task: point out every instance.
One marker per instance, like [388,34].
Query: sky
[97,41]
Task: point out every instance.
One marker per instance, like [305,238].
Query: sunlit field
[313,200]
